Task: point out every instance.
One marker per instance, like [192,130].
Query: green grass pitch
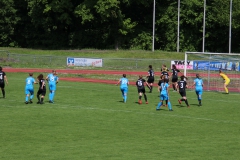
[89,121]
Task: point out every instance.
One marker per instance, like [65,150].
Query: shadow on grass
[225,93]
[180,106]
[194,104]
[162,109]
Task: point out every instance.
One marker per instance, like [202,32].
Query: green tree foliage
[112,24]
[51,21]
[8,21]
[105,24]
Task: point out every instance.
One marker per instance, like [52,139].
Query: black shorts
[150,80]
[2,85]
[41,92]
[182,93]
[141,90]
[174,79]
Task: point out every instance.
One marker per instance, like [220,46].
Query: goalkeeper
[226,79]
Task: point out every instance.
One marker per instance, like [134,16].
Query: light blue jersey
[199,88]
[124,83]
[52,80]
[29,85]
[29,89]
[198,84]
[164,91]
[124,88]
[164,96]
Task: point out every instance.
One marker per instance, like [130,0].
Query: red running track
[109,72]
[74,71]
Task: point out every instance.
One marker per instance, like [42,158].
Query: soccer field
[90,121]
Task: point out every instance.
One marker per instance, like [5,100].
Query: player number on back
[29,81]
[181,85]
[140,83]
[124,81]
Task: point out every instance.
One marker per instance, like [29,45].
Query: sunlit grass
[90,121]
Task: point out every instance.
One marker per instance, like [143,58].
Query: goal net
[208,65]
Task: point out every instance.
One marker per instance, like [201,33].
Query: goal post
[208,64]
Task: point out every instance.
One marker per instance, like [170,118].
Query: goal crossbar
[207,64]
[205,53]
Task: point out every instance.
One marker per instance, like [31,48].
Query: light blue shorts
[29,90]
[52,86]
[124,90]
[163,97]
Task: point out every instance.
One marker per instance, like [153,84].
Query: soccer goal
[208,65]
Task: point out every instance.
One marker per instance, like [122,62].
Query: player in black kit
[150,78]
[3,78]
[182,85]
[141,89]
[42,89]
[174,77]
[165,74]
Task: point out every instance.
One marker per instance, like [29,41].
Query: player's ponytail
[40,76]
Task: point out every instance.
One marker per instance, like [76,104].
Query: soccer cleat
[146,102]
[170,110]
[179,101]
[41,103]
[38,102]
[50,101]
[26,102]
[30,101]
[139,101]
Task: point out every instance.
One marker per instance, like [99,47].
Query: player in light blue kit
[198,83]
[29,88]
[164,94]
[52,79]
[124,87]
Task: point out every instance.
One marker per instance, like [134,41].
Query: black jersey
[150,73]
[165,74]
[2,75]
[41,81]
[175,72]
[182,86]
[140,83]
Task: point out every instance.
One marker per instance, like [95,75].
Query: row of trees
[125,24]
